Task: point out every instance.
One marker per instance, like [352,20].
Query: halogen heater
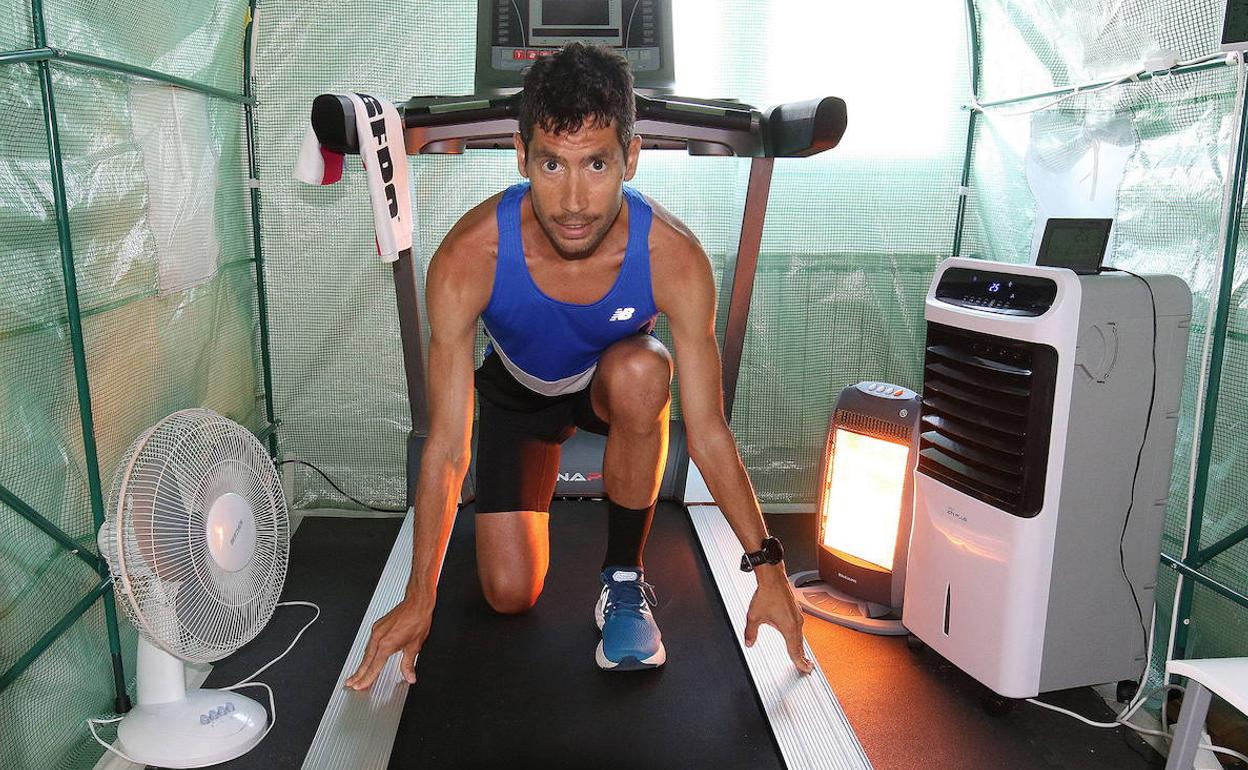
[865,507]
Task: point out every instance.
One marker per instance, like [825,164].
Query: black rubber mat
[524,691]
[334,562]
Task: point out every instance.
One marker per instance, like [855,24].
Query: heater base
[823,601]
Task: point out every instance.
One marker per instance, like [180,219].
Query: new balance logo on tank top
[552,347]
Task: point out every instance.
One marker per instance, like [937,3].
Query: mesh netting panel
[851,242]
[42,713]
[1217,627]
[1032,46]
[39,581]
[1000,211]
[339,383]
[1224,512]
[16,31]
[819,323]
[30,291]
[192,39]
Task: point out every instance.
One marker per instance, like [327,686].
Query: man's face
[576,181]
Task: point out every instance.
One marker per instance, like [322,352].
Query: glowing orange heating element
[862,497]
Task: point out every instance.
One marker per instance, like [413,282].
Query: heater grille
[869,426]
[987,413]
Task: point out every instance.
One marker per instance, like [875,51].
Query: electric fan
[197,541]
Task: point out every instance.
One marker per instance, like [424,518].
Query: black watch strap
[771,553]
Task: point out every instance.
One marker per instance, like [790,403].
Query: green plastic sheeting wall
[155,179]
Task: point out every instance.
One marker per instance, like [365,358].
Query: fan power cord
[1123,720]
[92,722]
[338,489]
[247,682]
[291,646]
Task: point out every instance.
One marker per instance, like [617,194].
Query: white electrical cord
[1123,719]
[290,647]
[247,682]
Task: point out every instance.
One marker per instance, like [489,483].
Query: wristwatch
[771,553]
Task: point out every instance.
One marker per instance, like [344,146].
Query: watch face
[771,552]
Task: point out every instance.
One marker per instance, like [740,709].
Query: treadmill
[524,690]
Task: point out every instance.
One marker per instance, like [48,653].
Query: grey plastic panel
[1094,633]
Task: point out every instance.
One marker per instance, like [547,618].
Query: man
[568,273]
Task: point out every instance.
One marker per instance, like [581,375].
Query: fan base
[205,728]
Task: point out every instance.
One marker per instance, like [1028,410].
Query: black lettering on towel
[385,162]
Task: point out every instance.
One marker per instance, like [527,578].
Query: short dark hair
[578,83]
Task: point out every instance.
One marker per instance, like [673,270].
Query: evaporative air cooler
[1050,403]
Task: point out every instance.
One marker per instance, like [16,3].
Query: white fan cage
[155,536]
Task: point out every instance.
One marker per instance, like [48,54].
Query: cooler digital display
[1004,293]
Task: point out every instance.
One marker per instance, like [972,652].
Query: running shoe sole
[630,663]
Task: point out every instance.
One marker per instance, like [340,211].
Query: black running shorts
[518,439]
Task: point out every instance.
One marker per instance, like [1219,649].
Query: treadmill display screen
[575,13]
[1077,244]
[1003,293]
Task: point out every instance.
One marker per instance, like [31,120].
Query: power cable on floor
[338,489]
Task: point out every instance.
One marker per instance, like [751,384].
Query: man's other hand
[775,605]
[402,629]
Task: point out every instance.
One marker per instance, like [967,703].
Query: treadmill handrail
[441,124]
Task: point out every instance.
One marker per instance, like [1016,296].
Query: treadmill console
[993,292]
[512,34]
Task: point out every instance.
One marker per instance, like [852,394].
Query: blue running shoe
[630,639]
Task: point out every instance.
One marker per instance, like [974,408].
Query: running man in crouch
[568,271]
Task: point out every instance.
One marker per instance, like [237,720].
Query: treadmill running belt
[524,691]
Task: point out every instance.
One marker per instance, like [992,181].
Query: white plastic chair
[1225,677]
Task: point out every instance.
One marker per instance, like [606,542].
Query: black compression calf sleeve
[627,529]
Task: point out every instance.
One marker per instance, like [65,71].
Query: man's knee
[510,593]
[638,379]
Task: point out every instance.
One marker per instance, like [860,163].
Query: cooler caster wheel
[1126,690]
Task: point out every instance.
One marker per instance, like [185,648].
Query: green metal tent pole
[45,53]
[25,57]
[122,701]
[262,304]
[1204,555]
[103,588]
[972,39]
[51,530]
[1217,353]
[1089,86]
[1197,576]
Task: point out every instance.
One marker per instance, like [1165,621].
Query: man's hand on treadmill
[402,629]
[775,605]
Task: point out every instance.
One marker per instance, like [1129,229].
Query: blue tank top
[553,347]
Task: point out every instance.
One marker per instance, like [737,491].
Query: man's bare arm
[685,292]
[457,291]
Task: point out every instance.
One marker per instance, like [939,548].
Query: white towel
[380,132]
